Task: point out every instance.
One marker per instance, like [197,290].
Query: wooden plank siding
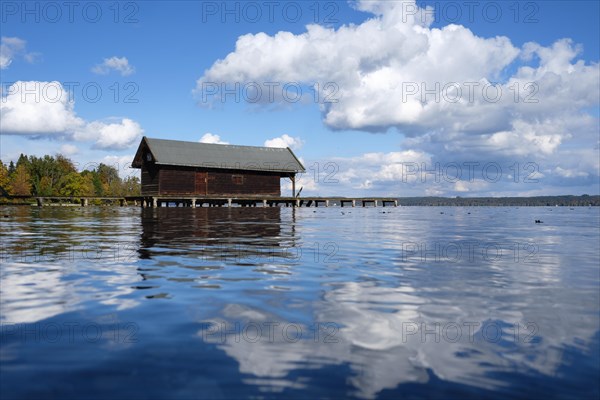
[177,181]
[150,179]
[201,183]
[243,182]
[169,180]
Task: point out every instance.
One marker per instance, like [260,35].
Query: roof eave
[285,171]
[302,169]
[135,164]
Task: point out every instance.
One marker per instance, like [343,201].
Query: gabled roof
[221,156]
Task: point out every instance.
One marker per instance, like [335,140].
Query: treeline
[550,201]
[58,176]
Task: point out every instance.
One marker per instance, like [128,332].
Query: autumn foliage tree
[4,179]
[58,176]
[20,182]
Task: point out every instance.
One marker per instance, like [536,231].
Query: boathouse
[172,168]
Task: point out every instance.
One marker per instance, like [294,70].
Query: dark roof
[221,156]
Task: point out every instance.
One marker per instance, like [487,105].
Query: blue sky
[153,62]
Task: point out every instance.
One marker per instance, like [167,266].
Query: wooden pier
[246,201]
[203,201]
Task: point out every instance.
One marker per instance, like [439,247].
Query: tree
[48,173]
[77,185]
[64,167]
[88,186]
[22,160]
[57,176]
[4,179]
[109,177]
[45,187]
[40,168]
[131,186]
[20,181]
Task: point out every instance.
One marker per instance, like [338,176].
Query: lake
[406,302]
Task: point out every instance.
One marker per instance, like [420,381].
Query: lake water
[406,302]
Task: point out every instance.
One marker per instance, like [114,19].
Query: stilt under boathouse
[189,173]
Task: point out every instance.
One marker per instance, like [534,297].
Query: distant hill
[550,201]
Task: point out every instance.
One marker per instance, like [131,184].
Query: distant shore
[550,201]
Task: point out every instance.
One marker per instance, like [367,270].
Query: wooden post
[293,179]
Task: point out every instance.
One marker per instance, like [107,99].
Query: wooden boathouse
[189,170]
[192,174]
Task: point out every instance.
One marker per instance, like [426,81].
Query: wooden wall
[172,181]
[150,175]
[243,182]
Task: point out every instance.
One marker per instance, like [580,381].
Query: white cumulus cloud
[118,64]
[38,108]
[44,109]
[121,163]
[452,94]
[294,143]
[120,134]
[211,138]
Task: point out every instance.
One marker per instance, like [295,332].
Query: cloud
[408,173]
[10,48]
[119,64]
[210,138]
[369,63]
[452,94]
[294,143]
[120,134]
[122,164]
[38,108]
[43,109]
[68,149]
